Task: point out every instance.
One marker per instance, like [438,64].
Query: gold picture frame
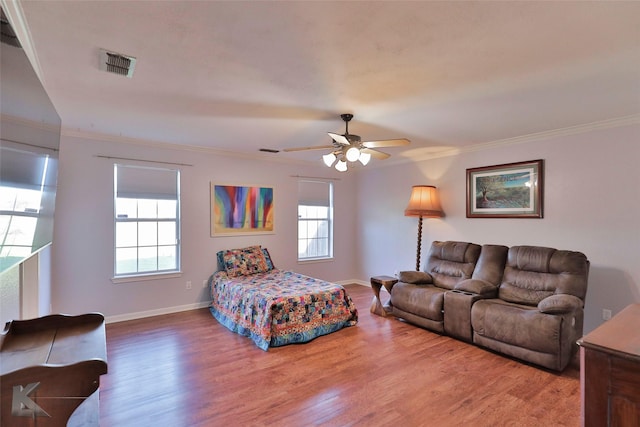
[241,209]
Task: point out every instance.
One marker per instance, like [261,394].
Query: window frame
[148,274]
[329,221]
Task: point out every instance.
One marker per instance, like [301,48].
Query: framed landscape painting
[239,210]
[513,190]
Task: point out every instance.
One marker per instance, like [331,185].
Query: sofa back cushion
[490,265]
[533,273]
[451,262]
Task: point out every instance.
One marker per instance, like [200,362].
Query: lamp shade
[364,158]
[424,201]
[328,159]
[341,166]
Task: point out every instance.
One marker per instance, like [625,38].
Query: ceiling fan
[350,148]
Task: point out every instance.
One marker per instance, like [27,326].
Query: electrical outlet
[204,283]
[606,314]
[188,284]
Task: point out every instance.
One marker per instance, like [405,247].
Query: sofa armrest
[415,277]
[477,286]
[558,304]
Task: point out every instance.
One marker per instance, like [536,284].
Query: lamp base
[419,243]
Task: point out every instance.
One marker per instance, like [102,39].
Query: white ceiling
[239,76]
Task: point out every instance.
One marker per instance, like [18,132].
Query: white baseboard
[157,312]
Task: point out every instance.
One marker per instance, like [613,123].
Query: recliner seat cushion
[518,325]
[421,300]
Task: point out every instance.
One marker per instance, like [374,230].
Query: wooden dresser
[610,371]
[50,370]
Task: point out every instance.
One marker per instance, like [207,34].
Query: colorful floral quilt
[280,307]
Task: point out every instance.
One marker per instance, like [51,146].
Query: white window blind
[314,193]
[137,182]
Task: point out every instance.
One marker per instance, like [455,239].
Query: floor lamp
[424,202]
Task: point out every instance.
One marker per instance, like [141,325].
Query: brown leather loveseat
[525,301]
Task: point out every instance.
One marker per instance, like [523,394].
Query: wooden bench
[49,367]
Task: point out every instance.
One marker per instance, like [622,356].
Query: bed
[275,307]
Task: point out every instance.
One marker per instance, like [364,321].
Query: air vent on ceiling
[117,63]
[8,35]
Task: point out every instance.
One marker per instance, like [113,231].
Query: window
[19,209]
[26,223]
[147,220]
[315,220]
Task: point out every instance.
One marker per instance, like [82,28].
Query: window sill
[143,277]
[315,260]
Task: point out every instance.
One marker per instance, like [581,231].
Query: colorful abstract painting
[241,210]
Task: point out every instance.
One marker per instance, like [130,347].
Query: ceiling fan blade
[340,139]
[317,147]
[377,154]
[386,143]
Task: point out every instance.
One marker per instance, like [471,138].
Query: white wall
[83,241]
[591,204]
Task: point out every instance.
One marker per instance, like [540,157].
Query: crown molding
[49,127]
[453,151]
[13,11]
[617,122]
[104,137]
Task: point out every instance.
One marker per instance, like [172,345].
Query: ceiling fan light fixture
[352,154]
[364,158]
[349,147]
[328,159]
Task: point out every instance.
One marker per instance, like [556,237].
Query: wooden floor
[185,369]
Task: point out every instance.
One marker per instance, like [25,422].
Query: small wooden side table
[377,282]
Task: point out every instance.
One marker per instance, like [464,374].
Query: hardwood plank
[185,369]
